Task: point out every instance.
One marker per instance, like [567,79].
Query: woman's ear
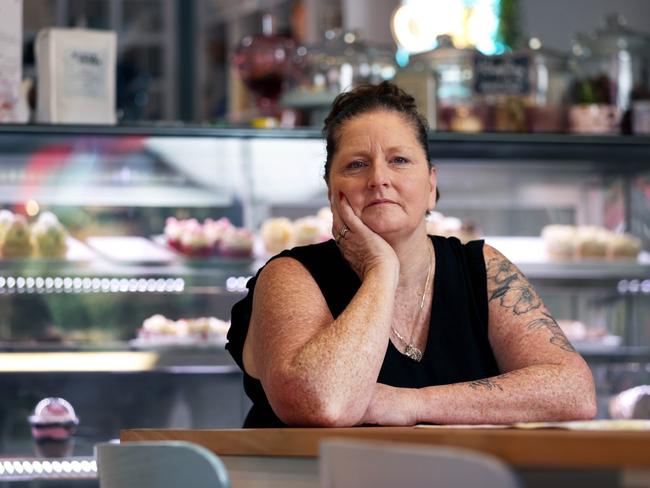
[433,189]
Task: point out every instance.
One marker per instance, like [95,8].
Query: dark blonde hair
[372,98]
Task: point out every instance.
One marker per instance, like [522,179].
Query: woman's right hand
[364,249]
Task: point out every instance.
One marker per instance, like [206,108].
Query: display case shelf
[625,151]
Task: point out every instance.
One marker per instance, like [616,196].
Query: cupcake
[53,424]
[560,241]
[310,230]
[623,246]
[591,242]
[277,234]
[236,243]
[49,237]
[173,231]
[193,241]
[156,325]
[325,215]
[214,231]
[16,241]
[6,219]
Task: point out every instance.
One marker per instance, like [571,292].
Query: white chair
[361,464]
[160,464]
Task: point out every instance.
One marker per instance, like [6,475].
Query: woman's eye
[355,164]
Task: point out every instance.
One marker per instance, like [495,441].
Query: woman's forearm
[535,393]
[335,372]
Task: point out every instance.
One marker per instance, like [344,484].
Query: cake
[277,234]
[53,424]
[591,242]
[49,237]
[310,230]
[560,241]
[325,215]
[215,229]
[159,330]
[193,241]
[173,231]
[6,219]
[623,246]
[16,241]
[237,243]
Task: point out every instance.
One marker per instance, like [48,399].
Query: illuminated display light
[29,284]
[33,469]
[416,24]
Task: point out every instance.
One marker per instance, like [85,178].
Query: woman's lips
[380,201]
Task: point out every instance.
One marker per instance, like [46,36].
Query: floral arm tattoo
[557,336]
[510,288]
[513,291]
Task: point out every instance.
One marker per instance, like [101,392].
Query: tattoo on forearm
[510,287]
[490,384]
[557,336]
[485,384]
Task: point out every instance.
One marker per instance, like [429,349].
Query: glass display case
[127,320]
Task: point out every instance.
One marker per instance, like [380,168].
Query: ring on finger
[344,230]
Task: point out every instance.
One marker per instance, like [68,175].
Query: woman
[387,325]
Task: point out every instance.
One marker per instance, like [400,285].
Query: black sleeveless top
[457,347]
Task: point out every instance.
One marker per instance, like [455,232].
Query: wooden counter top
[551,448]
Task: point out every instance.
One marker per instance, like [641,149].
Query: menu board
[501,75]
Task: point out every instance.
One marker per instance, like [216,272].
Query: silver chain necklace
[411,351]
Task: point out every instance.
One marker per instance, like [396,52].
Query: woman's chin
[384,229]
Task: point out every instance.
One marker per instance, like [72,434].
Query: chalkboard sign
[501,75]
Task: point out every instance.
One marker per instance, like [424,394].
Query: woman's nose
[378,175]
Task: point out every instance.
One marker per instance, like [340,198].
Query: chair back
[159,464]
[362,464]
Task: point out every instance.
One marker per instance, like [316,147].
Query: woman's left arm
[543,377]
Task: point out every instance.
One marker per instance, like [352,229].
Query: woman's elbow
[584,405]
[298,406]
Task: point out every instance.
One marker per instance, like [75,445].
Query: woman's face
[383,171]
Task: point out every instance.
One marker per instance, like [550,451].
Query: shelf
[627,152]
[182,360]
[596,353]
[529,254]
[217,276]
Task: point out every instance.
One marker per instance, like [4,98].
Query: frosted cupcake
[591,242]
[277,234]
[560,241]
[310,230]
[623,246]
[173,231]
[49,237]
[16,241]
[193,240]
[53,424]
[236,243]
[214,231]
[6,219]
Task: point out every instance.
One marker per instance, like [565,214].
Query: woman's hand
[392,406]
[364,249]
